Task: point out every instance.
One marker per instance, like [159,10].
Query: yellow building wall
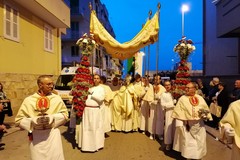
[22,62]
[28,55]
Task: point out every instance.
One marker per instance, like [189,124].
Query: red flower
[75,99]
[85,58]
[87,64]
[79,113]
[79,94]
[189,41]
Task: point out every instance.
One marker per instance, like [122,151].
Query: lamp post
[184,8]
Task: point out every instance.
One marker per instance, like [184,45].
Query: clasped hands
[230,132]
[43,122]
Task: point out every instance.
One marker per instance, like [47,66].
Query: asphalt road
[118,146]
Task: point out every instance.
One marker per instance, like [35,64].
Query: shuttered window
[11,23]
[48,38]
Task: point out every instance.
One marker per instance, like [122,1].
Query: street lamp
[184,8]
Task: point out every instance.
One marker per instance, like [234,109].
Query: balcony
[56,13]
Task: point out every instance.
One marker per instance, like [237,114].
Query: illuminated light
[185,8]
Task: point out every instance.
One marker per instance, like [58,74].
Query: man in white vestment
[191,109]
[105,107]
[115,89]
[167,103]
[145,104]
[115,85]
[92,138]
[127,97]
[139,90]
[156,118]
[41,114]
[122,107]
[230,128]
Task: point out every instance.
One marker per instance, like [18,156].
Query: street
[118,146]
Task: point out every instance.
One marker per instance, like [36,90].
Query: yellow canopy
[148,35]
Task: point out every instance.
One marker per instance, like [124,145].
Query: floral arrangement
[87,44]
[184,48]
[203,114]
[83,79]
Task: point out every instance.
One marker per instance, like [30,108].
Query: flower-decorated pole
[83,79]
[184,48]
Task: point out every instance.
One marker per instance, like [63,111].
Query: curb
[11,131]
[215,134]
[11,128]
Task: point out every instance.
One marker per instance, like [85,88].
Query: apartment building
[30,43]
[80,24]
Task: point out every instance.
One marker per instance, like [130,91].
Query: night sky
[128,16]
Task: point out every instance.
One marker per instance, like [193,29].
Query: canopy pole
[92,55]
[157,47]
[148,60]
[101,64]
[91,8]
[144,59]
[98,61]
[149,17]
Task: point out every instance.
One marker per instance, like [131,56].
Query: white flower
[182,44]
[80,40]
[84,35]
[85,40]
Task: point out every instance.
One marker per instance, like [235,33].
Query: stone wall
[19,86]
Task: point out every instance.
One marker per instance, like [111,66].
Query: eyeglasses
[189,87]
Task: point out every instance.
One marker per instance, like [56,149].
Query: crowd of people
[148,106]
[137,104]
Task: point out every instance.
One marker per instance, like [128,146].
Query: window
[75,51]
[98,59]
[11,23]
[75,29]
[48,38]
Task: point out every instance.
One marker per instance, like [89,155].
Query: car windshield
[64,82]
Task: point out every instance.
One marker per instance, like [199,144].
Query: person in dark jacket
[5,108]
[222,99]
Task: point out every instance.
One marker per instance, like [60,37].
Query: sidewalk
[216,135]
[10,124]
